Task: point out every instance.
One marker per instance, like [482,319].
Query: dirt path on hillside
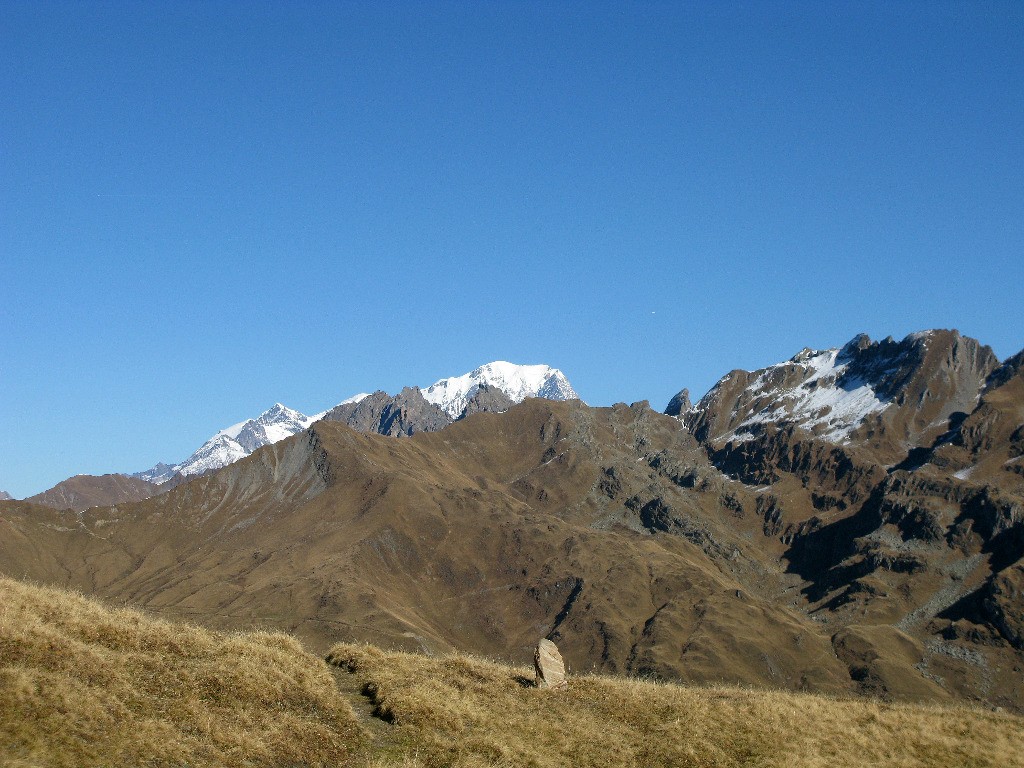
[387,738]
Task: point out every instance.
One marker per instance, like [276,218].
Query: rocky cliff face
[892,474]
[398,415]
[989,441]
[887,397]
[487,399]
[410,412]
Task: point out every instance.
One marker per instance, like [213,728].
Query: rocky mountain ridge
[413,409]
[891,470]
[84,491]
[908,390]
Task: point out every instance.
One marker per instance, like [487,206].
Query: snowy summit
[234,443]
[275,424]
[517,381]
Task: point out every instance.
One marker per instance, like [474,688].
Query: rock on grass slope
[464,711]
[86,685]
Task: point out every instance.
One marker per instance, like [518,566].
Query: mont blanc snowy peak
[517,381]
[411,410]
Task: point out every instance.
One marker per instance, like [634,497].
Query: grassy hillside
[463,711]
[83,685]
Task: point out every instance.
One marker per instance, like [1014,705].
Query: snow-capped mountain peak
[279,421]
[234,443]
[271,426]
[855,393]
[517,381]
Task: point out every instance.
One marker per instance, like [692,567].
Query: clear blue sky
[207,207]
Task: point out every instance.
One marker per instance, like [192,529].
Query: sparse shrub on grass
[85,685]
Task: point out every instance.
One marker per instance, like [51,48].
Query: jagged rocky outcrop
[885,397]
[890,473]
[487,399]
[988,443]
[679,404]
[398,415]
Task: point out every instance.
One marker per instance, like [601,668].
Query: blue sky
[209,207]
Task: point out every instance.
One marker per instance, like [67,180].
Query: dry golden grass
[85,685]
[462,711]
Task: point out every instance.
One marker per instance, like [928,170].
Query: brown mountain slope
[83,684]
[552,519]
[83,491]
[607,529]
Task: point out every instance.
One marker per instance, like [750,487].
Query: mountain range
[432,408]
[848,521]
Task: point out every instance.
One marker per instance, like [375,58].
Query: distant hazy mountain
[5,496]
[490,387]
[84,491]
[234,443]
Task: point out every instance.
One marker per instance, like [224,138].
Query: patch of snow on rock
[824,399]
